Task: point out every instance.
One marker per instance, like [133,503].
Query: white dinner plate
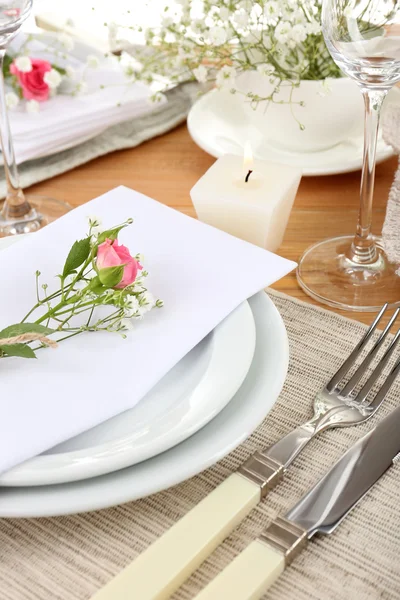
[214,126]
[185,400]
[226,431]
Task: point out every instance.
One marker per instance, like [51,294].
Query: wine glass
[19,213]
[353,272]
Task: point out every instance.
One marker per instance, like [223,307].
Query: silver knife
[321,510]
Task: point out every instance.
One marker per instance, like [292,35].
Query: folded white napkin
[65,119]
[200,273]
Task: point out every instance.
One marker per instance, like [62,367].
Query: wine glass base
[327,274]
[44,211]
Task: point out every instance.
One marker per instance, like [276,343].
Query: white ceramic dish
[185,400]
[218,123]
[225,432]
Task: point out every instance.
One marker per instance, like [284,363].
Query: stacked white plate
[201,410]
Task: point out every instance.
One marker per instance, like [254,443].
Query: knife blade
[321,510]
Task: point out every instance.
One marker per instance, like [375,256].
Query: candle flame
[248,158]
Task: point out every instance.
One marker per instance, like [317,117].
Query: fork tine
[341,372]
[381,395]
[363,393]
[351,384]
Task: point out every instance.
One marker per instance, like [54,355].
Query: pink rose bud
[32,82]
[111,254]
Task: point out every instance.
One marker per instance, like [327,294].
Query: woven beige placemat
[69,558]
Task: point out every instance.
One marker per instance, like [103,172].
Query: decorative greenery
[217,40]
[86,284]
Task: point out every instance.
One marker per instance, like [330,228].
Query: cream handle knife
[248,576]
[160,569]
[321,510]
[173,557]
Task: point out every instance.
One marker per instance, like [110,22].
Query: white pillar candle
[250,202]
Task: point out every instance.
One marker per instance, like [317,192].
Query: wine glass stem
[363,249]
[15,205]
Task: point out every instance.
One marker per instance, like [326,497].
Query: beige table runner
[69,558]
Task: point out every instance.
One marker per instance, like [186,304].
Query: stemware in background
[353,272]
[19,213]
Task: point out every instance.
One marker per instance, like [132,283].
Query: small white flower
[217,36]
[23,64]
[201,73]
[82,87]
[157,98]
[226,77]
[127,324]
[32,106]
[314,28]
[52,78]
[271,9]
[298,33]
[66,41]
[92,61]
[12,100]
[241,18]
[224,13]
[70,72]
[266,69]
[167,21]
[282,31]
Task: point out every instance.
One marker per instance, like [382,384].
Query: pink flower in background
[111,254]
[32,82]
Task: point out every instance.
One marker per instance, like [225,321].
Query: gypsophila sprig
[217,40]
[98,272]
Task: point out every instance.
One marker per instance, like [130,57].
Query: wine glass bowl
[353,272]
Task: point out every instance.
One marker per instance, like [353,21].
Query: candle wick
[248,175]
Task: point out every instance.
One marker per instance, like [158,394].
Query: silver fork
[335,406]
[164,566]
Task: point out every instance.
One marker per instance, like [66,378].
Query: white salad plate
[226,431]
[185,400]
[218,127]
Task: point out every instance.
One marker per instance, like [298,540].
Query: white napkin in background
[200,273]
[64,118]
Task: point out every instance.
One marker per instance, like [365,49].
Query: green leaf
[111,276]
[59,69]
[21,350]
[77,255]
[96,286]
[110,234]
[20,328]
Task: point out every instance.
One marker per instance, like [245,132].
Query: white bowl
[329,118]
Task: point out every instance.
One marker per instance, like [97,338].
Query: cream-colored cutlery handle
[165,565]
[247,577]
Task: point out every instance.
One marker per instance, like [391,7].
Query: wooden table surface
[166,168]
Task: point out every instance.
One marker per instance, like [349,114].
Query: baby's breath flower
[52,78]
[66,41]
[92,61]
[226,77]
[201,73]
[71,73]
[12,100]
[23,64]
[217,36]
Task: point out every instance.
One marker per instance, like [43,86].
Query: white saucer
[217,125]
[185,400]
[225,432]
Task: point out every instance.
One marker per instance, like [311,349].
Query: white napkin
[200,273]
[65,119]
